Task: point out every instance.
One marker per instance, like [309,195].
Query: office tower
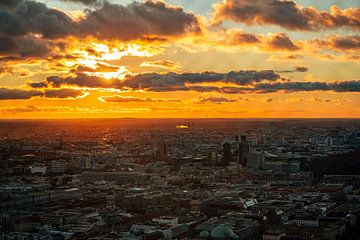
[255,160]
[162,153]
[226,154]
[243,149]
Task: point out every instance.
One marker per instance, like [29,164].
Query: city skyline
[179,59]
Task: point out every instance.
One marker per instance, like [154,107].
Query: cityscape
[180,179]
[179,119]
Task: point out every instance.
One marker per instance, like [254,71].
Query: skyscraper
[226,154]
[243,149]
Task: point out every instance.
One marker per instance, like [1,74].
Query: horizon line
[174,118]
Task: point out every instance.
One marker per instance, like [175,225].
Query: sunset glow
[175,59]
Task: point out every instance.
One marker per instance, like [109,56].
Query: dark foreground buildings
[283,180]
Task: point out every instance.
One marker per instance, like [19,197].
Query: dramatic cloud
[138,20]
[165,82]
[239,37]
[282,41]
[64,93]
[162,82]
[98,68]
[270,42]
[340,43]
[33,17]
[108,21]
[287,14]
[12,94]
[25,47]
[83,80]
[8,94]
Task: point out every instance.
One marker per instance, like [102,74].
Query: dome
[204,234]
[222,232]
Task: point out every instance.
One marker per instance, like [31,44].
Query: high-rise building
[226,154]
[162,152]
[255,160]
[243,149]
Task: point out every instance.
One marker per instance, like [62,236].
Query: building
[86,162]
[58,166]
[255,160]
[243,149]
[226,154]
[38,170]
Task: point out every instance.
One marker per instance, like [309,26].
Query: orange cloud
[286,14]
[161,64]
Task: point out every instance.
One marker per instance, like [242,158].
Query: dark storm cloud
[64,93]
[7,94]
[281,41]
[287,14]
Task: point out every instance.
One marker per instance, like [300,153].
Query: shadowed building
[226,154]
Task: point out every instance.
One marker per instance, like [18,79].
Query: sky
[179,59]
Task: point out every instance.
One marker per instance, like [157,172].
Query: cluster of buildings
[186,182]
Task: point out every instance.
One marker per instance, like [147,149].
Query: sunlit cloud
[157,59]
